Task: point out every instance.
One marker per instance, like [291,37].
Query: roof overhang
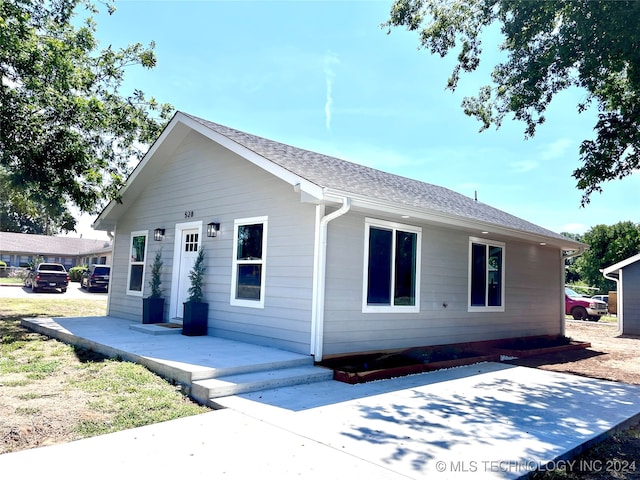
[615,268]
[405,213]
[164,147]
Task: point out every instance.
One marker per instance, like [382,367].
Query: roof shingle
[334,173]
[64,246]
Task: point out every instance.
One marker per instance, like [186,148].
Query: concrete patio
[487,420]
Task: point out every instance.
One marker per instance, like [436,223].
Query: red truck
[583,308]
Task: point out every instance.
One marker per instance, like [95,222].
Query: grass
[613,458]
[90,394]
[11,281]
[51,307]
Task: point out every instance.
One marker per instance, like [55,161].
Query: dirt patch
[382,365]
[610,357]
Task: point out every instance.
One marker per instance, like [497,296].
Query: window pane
[250,242]
[137,248]
[379,280]
[249,278]
[478,275]
[405,288]
[135,280]
[495,276]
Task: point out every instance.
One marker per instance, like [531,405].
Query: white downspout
[619,312]
[319,279]
[112,237]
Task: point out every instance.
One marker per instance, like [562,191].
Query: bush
[76,272]
[3,269]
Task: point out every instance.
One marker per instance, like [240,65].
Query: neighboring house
[21,249]
[626,274]
[319,255]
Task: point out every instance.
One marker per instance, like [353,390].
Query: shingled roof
[44,244]
[341,175]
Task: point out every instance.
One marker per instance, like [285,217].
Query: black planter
[152,310]
[196,315]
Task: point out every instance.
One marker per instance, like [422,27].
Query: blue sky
[326,77]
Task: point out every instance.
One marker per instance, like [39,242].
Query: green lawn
[89,394]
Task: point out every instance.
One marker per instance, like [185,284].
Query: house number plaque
[188,214]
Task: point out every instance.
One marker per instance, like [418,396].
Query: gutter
[320,276]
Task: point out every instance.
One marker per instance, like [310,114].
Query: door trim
[177,246]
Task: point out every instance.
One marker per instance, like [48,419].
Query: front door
[189,246]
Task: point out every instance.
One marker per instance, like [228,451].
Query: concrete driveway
[484,421]
[74,292]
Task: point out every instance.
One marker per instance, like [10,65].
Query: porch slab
[175,357]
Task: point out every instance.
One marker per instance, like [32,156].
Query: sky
[325,76]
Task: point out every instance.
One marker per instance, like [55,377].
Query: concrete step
[204,390]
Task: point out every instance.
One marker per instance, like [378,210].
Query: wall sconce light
[213,229]
[158,234]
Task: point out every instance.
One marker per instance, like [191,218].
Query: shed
[626,274]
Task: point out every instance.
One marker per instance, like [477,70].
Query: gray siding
[219,185]
[531,307]
[631,299]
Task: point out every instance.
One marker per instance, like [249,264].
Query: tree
[67,135]
[551,45]
[20,212]
[572,275]
[607,245]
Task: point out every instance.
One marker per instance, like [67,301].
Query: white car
[602,298]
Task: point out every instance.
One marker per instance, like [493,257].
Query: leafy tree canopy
[67,134]
[608,244]
[21,214]
[551,46]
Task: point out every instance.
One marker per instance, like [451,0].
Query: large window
[249,253]
[138,253]
[392,267]
[486,275]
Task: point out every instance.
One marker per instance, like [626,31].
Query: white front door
[189,245]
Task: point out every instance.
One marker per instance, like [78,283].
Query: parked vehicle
[47,276]
[583,308]
[602,298]
[96,277]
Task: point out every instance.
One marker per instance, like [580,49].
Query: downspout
[112,237]
[619,312]
[319,280]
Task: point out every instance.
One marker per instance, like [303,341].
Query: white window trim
[137,233]
[491,243]
[240,302]
[366,308]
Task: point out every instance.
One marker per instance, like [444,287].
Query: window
[486,275]
[392,267]
[249,253]
[137,257]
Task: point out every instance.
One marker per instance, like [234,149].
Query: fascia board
[364,202]
[305,186]
[100,222]
[291,178]
[624,263]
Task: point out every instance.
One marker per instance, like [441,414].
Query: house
[21,249]
[626,274]
[321,256]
